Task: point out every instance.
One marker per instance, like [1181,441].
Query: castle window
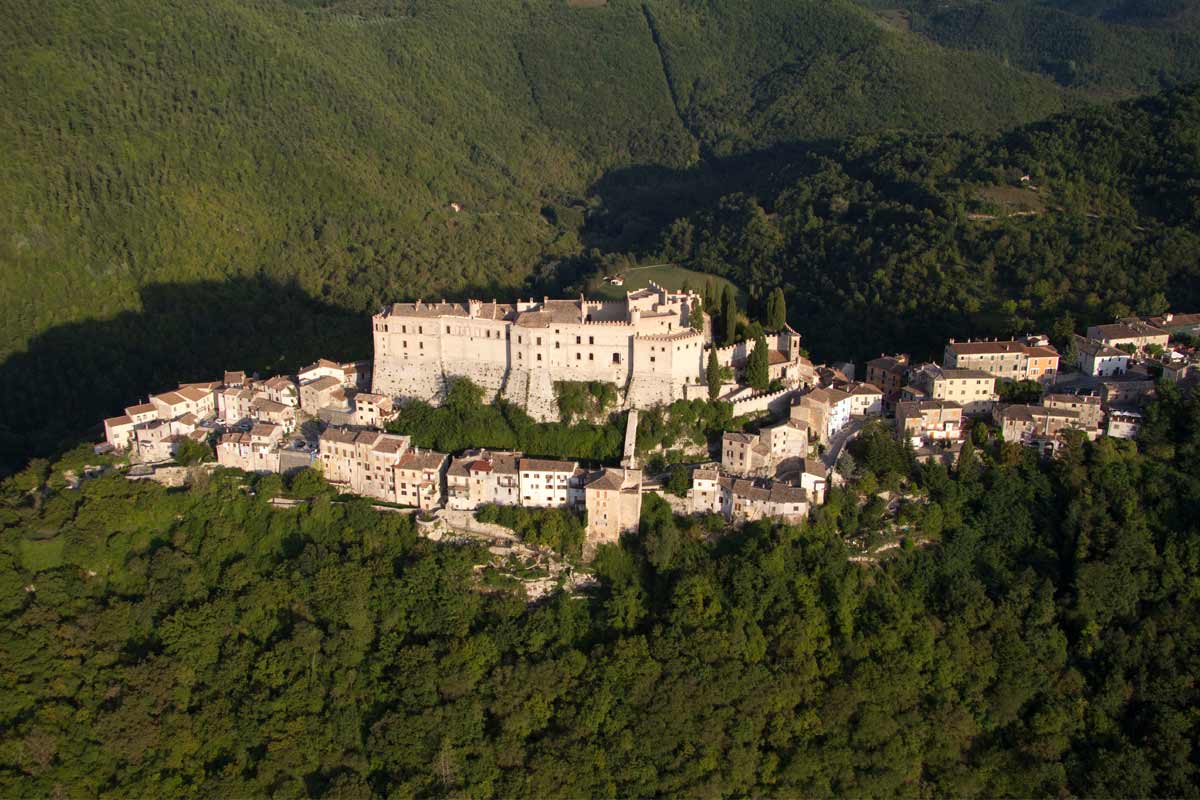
[420,329]
[557,345]
[422,344]
[591,340]
[578,340]
[539,355]
[404,329]
[651,359]
[591,356]
[578,356]
[539,341]
[404,343]
[616,358]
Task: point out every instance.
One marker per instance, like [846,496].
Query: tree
[729,314]
[712,373]
[776,310]
[758,372]
[190,452]
[696,316]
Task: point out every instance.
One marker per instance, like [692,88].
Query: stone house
[613,500]
[1042,427]
[319,393]
[1091,415]
[973,389]
[888,374]
[934,428]
[419,478]
[372,410]
[481,478]
[1133,332]
[282,389]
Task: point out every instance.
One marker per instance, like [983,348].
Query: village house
[282,389]
[1127,391]
[1094,357]
[763,452]
[1133,332]
[744,453]
[418,479]
[545,483]
[613,500]
[888,374]
[349,375]
[1175,324]
[1123,423]
[321,392]
[1028,359]
[704,495]
[482,478]
[372,410]
[973,389]
[822,413]
[264,409]
[1042,427]
[934,428]
[744,500]
[1091,414]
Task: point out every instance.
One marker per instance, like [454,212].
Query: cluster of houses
[326,417]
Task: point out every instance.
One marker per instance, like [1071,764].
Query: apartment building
[482,478]
[1132,332]
[763,452]
[973,389]
[613,499]
[1031,358]
[418,479]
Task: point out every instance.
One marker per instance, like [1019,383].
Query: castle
[645,344]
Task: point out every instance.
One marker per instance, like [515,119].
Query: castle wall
[520,351]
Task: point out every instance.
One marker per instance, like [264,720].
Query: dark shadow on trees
[73,376]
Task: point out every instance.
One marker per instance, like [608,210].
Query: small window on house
[591,356]
[558,345]
[539,355]
[539,340]
[616,358]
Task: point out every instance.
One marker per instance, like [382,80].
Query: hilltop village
[655,347]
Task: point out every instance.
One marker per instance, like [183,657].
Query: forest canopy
[1042,640]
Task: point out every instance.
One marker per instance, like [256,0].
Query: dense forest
[1038,636]
[1101,47]
[899,242]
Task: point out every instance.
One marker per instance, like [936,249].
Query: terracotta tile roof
[501,311]
[413,460]
[705,475]
[814,466]
[113,422]
[339,435]
[322,383]
[479,465]
[391,443]
[782,493]
[170,398]
[194,393]
[141,408]
[610,480]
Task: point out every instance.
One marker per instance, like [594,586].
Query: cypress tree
[758,373]
[710,297]
[696,316]
[712,373]
[729,317]
[776,310]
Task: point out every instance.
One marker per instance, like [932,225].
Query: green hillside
[306,156]
[1102,48]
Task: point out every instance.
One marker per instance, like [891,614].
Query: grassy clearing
[670,276]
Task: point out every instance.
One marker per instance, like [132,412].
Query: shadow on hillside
[74,375]
[638,203]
